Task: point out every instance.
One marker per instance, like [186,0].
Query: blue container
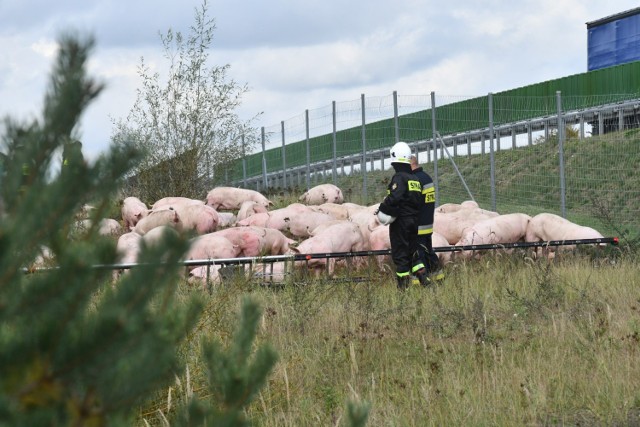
[614,40]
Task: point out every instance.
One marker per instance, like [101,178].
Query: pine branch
[234,376]
[74,350]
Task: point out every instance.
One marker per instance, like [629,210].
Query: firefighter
[426,266]
[399,210]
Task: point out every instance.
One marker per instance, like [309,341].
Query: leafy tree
[187,126]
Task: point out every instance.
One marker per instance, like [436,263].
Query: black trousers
[403,233]
[426,255]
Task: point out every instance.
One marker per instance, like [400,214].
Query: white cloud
[46,48]
[303,55]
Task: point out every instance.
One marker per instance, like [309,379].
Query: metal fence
[353,139]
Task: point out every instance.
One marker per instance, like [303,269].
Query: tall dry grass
[502,341]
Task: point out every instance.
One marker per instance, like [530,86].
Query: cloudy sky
[297,55]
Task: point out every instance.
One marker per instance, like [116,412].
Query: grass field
[502,341]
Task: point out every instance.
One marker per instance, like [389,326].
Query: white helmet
[384,218]
[401,153]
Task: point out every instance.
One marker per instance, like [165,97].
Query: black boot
[437,275]
[423,277]
[403,283]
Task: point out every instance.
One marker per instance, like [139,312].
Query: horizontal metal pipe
[306,257]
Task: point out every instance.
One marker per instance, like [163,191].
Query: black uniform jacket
[404,194]
[427,211]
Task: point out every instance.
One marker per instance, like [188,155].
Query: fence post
[581,127]
[333,115]
[395,117]
[563,208]
[363,164]
[492,160]
[546,130]
[244,163]
[306,121]
[434,143]
[284,159]
[600,122]
[264,163]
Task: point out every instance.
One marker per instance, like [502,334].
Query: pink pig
[322,193]
[155,235]
[274,241]
[379,240]
[133,210]
[452,225]
[438,241]
[211,246]
[547,226]
[198,217]
[231,198]
[302,225]
[344,236]
[259,219]
[278,219]
[250,207]
[509,228]
[249,242]
[366,220]
[127,249]
[336,210]
[158,218]
[175,202]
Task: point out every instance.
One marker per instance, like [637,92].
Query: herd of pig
[234,222]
